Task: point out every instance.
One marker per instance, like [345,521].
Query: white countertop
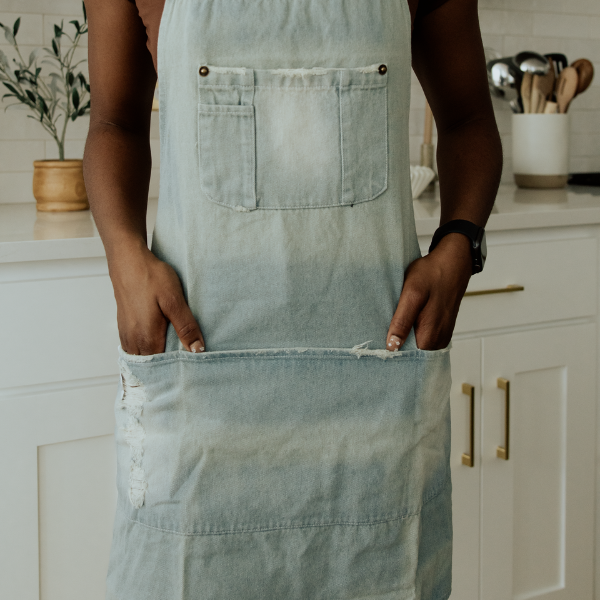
[26,234]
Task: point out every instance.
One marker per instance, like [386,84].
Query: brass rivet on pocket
[382,69]
[204,71]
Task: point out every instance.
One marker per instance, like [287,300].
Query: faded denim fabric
[296,458]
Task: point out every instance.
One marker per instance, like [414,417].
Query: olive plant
[61,93]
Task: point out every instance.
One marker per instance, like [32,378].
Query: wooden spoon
[526,91]
[585,71]
[566,88]
[542,87]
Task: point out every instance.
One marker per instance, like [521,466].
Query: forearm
[117,164]
[469,160]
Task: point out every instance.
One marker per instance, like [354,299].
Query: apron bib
[292,459]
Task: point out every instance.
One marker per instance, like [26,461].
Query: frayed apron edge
[357,350]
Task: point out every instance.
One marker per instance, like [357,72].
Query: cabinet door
[465,358]
[57,490]
[537,503]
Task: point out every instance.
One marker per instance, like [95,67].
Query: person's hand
[149,295]
[433,289]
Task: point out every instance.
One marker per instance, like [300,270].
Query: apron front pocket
[227,131]
[319,135]
[281,438]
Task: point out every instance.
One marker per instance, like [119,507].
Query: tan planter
[58,185]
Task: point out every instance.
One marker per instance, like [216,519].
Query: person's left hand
[434,286]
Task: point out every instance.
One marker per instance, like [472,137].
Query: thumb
[409,306]
[186,326]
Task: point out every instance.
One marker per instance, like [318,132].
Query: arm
[116,164]
[448,59]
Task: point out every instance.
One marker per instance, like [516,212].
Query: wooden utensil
[526,91]
[585,71]
[542,87]
[566,88]
[550,108]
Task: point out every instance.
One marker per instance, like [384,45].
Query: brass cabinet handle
[504,384]
[504,290]
[469,459]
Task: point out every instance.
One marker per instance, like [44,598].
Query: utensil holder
[540,145]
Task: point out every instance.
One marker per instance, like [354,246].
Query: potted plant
[55,98]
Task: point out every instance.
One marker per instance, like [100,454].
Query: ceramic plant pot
[58,185]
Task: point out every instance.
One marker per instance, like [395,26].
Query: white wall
[569,26]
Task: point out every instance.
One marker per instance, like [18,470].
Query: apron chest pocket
[292,138]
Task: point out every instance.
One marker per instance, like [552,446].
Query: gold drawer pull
[504,290]
[504,384]
[469,459]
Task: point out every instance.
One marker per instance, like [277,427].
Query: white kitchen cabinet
[524,512]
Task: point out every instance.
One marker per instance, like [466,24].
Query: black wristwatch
[475,234]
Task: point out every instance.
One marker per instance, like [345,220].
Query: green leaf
[77,26]
[57,31]
[30,95]
[33,55]
[70,78]
[16,26]
[75,97]
[9,96]
[42,104]
[82,79]
[55,46]
[11,88]
[10,38]
[84,11]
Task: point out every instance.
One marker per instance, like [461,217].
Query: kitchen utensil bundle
[535,83]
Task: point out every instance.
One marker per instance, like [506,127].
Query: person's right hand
[149,295]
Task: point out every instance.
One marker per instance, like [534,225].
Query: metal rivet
[204,71]
[382,69]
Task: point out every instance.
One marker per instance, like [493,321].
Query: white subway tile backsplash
[584,164]
[16,187]
[585,121]
[18,155]
[502,22]
[73,149]
[584,144]
[55,7]
[575,7]
[562,26]
[154,183]
[30,29]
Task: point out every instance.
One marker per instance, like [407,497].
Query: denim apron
[296,458]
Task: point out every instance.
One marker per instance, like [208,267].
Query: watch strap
[456,226]
[470,230]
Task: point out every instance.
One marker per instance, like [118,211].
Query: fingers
[412,300]
[176,309]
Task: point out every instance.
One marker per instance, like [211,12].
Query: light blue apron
[297,458]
